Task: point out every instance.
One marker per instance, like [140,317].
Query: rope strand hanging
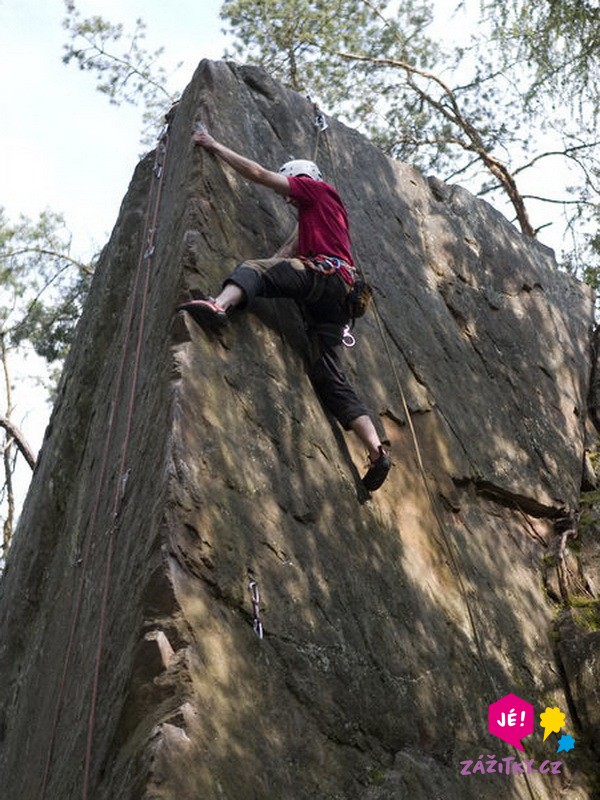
[454,559]
[145,257]
[159,174]
[450,548]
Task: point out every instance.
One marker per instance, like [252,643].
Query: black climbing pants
[323,298]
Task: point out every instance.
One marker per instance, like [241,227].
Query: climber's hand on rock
[204,139]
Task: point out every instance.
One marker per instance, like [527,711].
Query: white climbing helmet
[301,167]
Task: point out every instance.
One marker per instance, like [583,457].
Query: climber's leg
[332,386]
[230,296]
[270,277]
[339,397]
[379,461]
[365,430]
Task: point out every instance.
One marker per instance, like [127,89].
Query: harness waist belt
[329,265]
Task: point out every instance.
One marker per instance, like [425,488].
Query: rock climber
[314,267]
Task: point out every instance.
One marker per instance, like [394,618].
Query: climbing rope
[148,253]
[450,547]
[145,257]
[432,501]
[318,123]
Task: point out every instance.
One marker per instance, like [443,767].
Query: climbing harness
[255,599]
[141,285]
[330,265]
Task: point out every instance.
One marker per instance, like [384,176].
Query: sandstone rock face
[177,471]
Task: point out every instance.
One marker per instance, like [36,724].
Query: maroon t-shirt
[322,219]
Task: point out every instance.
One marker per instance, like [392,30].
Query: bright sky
[62,145]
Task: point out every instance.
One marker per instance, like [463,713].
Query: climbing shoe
[206,312]
[378,470]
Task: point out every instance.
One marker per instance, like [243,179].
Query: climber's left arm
[245,166]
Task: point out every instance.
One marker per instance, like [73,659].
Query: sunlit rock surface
[389,628]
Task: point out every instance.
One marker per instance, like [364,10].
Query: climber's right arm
[245,166]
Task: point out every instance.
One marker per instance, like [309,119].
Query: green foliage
[560,40]
[302,42]
[586,612]
[371,63]
[558,43]
[125,70]
[377,64]
[287,36]
[591,270]
[42,287]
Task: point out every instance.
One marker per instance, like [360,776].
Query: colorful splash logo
[511,719]
[552,720]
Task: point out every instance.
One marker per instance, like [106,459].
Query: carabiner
[348,339]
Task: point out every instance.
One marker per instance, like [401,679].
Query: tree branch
[51,253]
[454,115]
[133,70]
[20,440]
[566,153]
[579,202]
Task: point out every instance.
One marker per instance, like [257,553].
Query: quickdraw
[319,122]
[255,597]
